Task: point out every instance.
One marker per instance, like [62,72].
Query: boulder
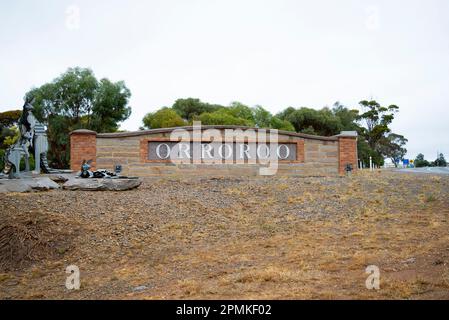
[106,184]
[59,177]
[43,184]
[14,185]
[27,185]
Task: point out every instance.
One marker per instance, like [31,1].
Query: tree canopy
[185,111]
[9,118]
[377,120]
[163,118]
[191,107]
[421,162]
[8,129]
[75,100]
[440,161]
[392,146]
[322,122]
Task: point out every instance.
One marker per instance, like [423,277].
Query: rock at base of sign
[105,184]
[27,185]
[59,177]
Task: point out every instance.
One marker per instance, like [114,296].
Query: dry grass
[278,238]
[26,238]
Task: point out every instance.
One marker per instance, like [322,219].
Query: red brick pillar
[83,146]
[347,151]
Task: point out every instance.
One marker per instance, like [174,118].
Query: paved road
[435,170]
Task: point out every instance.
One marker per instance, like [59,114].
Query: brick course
[83,146]
[347,153]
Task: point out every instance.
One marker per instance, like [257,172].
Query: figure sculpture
[32,138]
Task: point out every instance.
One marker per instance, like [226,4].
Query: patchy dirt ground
[231,238]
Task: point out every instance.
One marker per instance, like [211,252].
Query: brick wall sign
[155,152]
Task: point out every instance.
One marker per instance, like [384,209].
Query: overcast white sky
[273,53]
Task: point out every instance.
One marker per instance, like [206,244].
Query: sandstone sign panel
[145,153]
